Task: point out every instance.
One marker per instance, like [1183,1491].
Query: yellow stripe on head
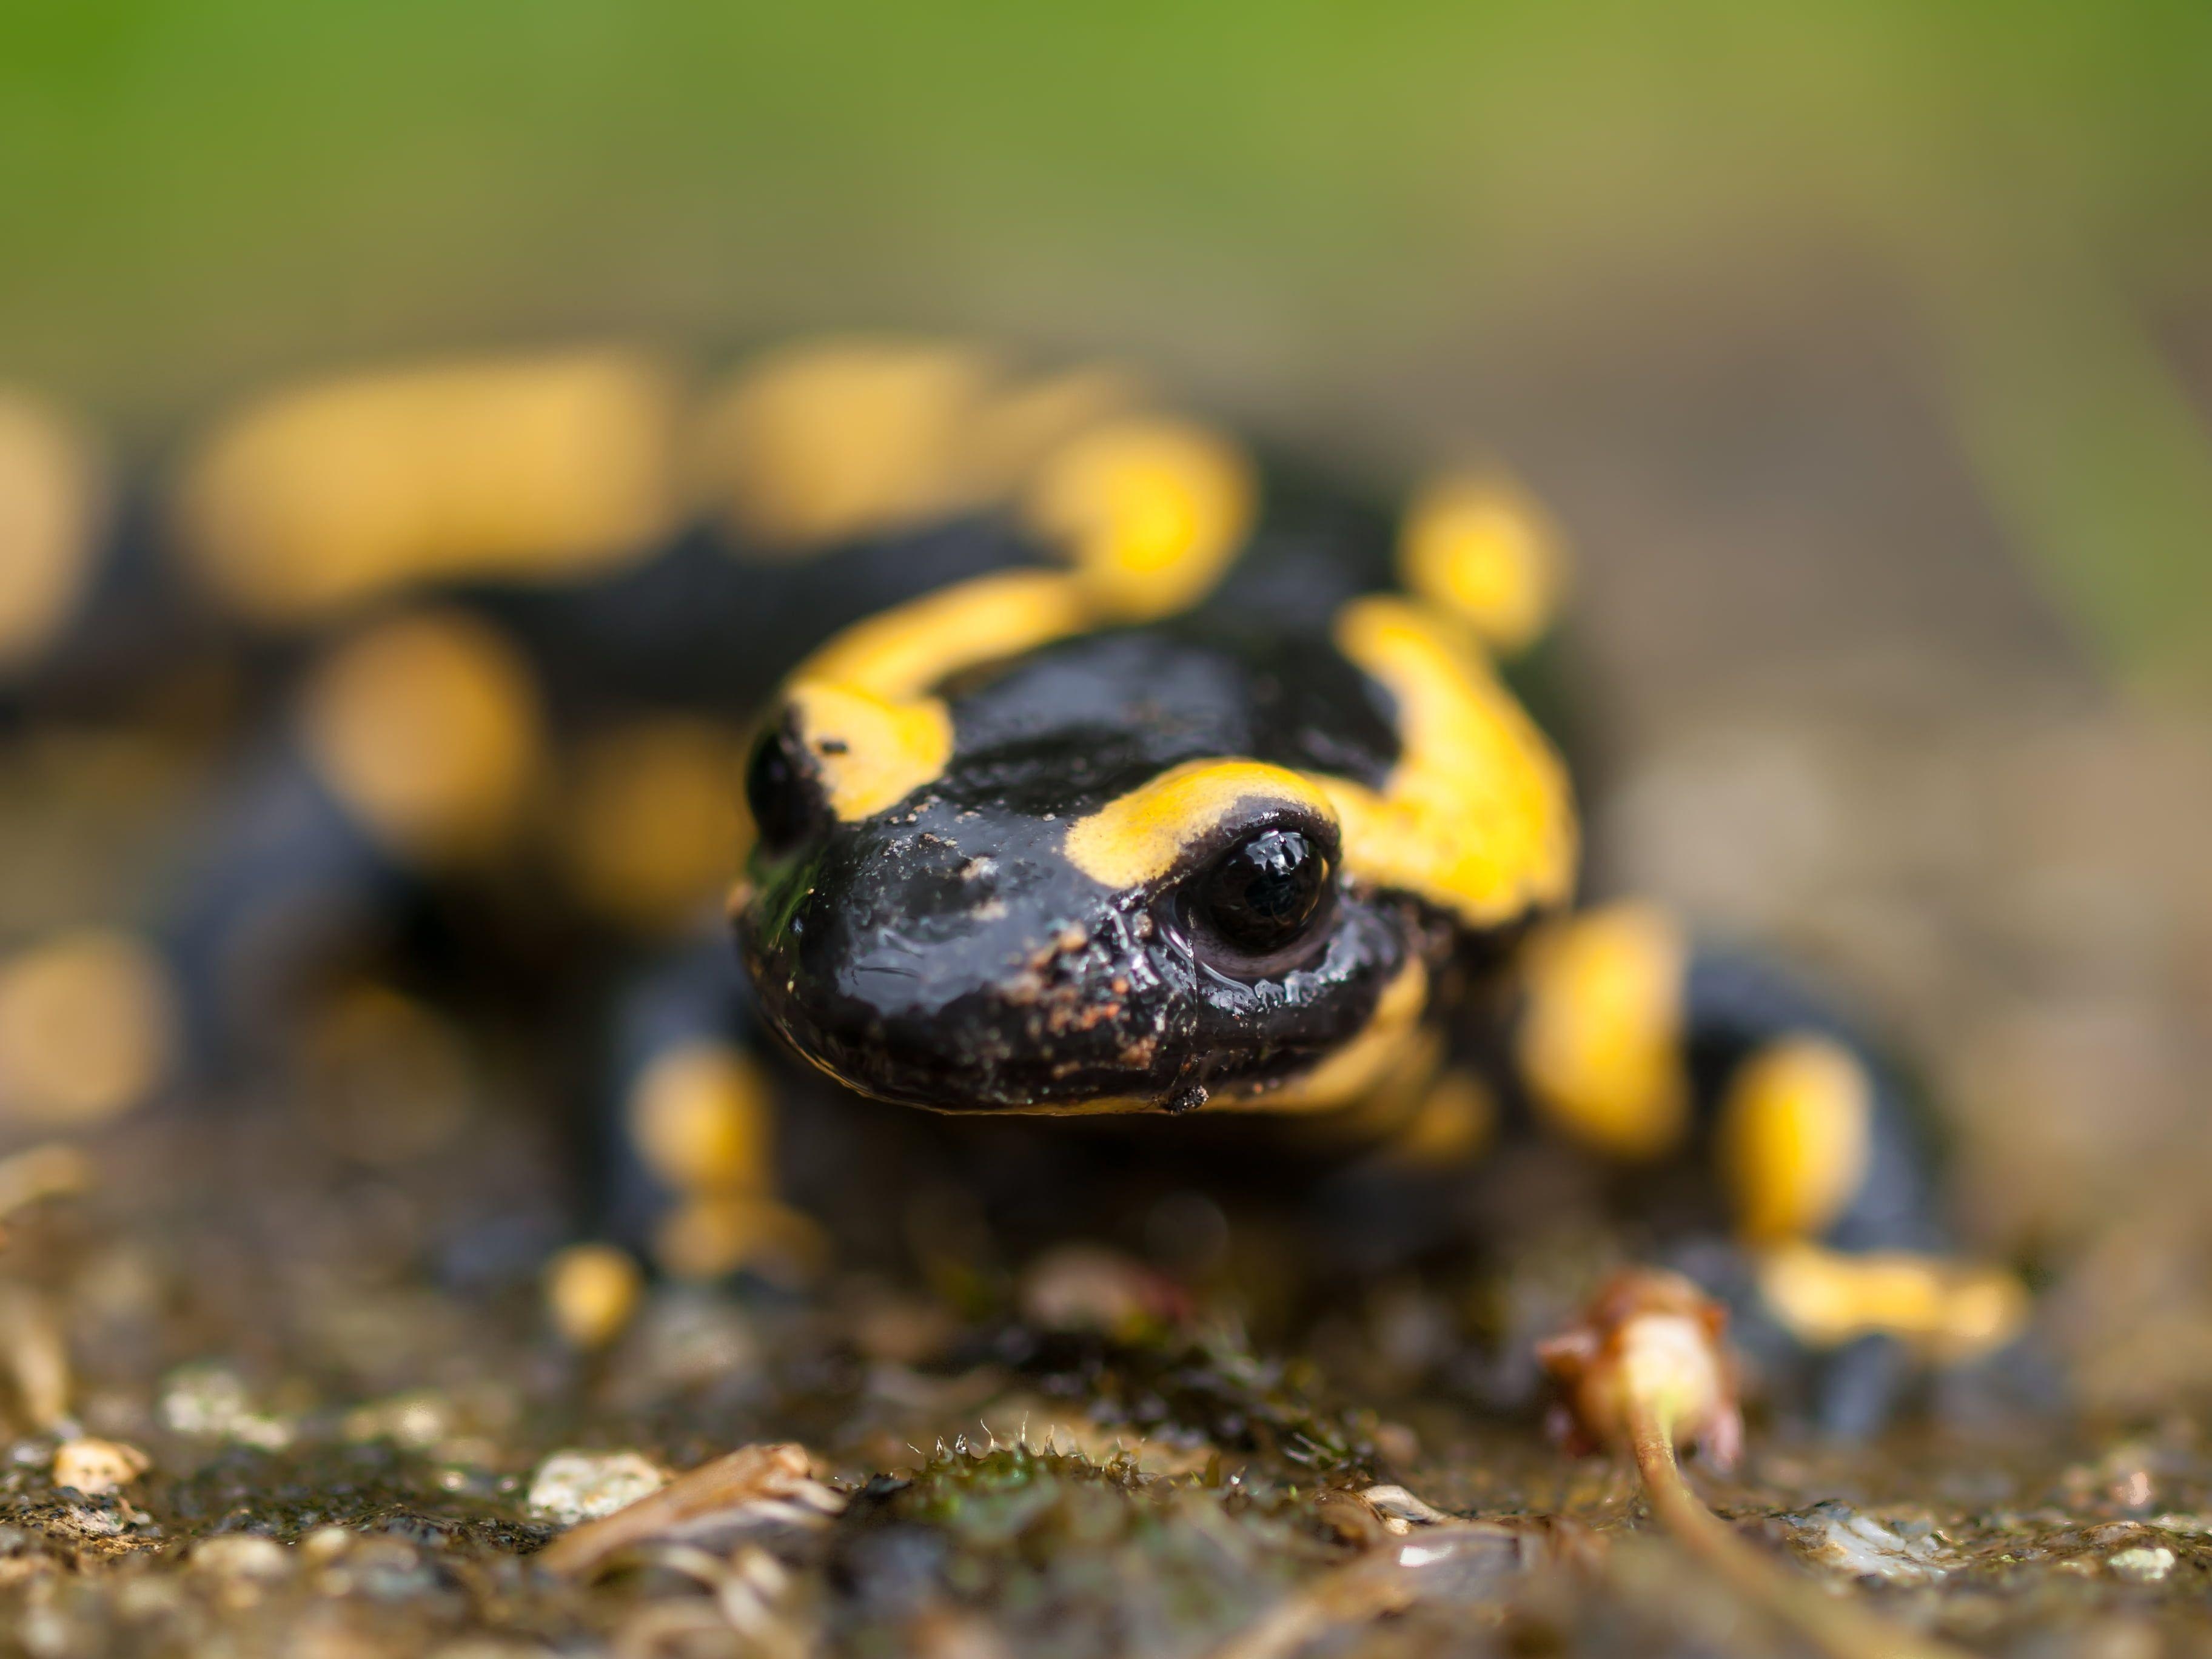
[1150,511]
[862,703]
[1478,547]
[548,469]
[1477,815]
[1144,835]
[1795,1137]
[908,651]
[1600,1043]
[50,502]
[427,728]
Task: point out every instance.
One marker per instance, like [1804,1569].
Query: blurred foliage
[197,193]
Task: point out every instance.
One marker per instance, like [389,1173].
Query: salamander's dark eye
[787,802]
[1259,900]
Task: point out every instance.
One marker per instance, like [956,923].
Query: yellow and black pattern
[1093,765]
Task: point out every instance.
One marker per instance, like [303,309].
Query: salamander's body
[1094,770]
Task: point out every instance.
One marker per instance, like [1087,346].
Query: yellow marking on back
[1477,815]
[50,501]
[1795,1137]
[427,728]
[1151,510]
[1955,1310]
[87,1027]
[1599,1038]
[1479,548]
[1143,836]
[544,468]
[826,439]
[652,825]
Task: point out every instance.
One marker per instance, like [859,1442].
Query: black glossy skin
[947,954]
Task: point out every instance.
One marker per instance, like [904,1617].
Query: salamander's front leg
[686,1168]
[1643,1047]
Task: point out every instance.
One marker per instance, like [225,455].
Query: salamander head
[1117,874]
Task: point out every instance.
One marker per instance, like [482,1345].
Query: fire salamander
[1094,770]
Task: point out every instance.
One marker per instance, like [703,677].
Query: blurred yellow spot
[1481,549]
[828,439]
[1600,1040]
[428,729]
[591,1293]
[1141,835]
[388,1079]
[1453,1123]
[713,1235]
[1795,1136]
[699,1116]
[1019,425]
[1151,510]
[49,507]
[540,468]
[87,1029]
[654,827]
[1956,1311]
[1477,815]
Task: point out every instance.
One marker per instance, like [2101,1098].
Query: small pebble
[242,1555]
[94,1466]
[580,1486]
[2146,1563]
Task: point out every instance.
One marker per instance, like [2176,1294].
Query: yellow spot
[1477,815]
[719,1234]
[88,1028]
[654,828]
[51,491]
[1144,835]
[699,1117]
[427,729]
[591,1293]
[1391,1039]
[1599,1039]
[544,468]
[828,439]
[1955,1310]
[1795,1137]
[1150,511]
[1454,1122]
[1021,424]
[1481,549]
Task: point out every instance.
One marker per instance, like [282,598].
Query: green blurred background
[1307,211]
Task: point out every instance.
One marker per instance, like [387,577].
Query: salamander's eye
[787,802]
[1256,905]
